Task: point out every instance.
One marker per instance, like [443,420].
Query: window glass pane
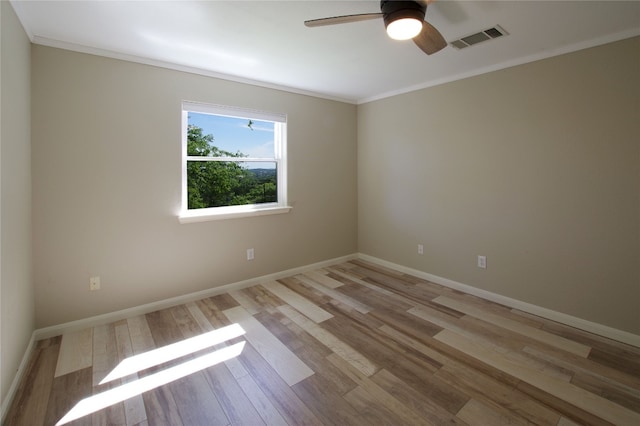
[230,183]
[232,157]
[221,136]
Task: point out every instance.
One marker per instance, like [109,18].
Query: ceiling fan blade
[430,40]
[342,19]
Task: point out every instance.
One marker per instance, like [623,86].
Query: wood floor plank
[375,411]
[566,422]
[339,274]
[376,394]
[280,395]
[213,313]
[111,415]
[281,359]
[194,397]
[29,406]
[310,293]
[335,295]
[308,349]
[449,356]
[199,317]
[224,301]
[266,299]
[502,340]
[105,354]
[302,304]
[531,332]
[196,401]
[385,349]
[581,336]
[261,402]
[374,269]
[471,329]
[239,395]
[75,352]
[134,410]
[317,393]
[579,397]
[502,398]
[415,372]
[140,335]
[477,413]
[322,278]
[424,407]
[578,364]
[399,338]
[163,328]
[345,312]
[372,298]
[397,285]
[67,390]
[245,301]
[388,276]
[496,308]
[160,403]
[161,408]
[622,359]
[566,409]
[336,345]
[612,391]
[237,407]
[187,325]
[217,319]
[416,326]
[105,359]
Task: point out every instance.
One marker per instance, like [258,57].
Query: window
[233,162]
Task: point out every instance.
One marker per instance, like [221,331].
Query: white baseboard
[56,330]
[16,379]
[582,324]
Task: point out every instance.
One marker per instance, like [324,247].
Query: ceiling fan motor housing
[393,10]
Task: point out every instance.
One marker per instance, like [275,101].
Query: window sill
[222,213]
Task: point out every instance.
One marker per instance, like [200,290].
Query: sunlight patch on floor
[105,399]
[176,350]
[156,357]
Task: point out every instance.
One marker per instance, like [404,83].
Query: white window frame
[280,157]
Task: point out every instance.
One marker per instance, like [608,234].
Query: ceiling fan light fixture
[403,19]
[404,28]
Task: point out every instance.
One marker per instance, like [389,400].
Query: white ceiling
[265,42]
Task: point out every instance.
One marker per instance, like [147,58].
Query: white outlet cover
[94,283]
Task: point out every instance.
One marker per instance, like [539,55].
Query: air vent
[470,40]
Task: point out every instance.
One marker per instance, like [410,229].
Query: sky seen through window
[233,134]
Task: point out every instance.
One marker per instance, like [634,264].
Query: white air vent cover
[470,40]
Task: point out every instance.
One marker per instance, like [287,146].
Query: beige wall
[106,187]
[537,167]
[16,287]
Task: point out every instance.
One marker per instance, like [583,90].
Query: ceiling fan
[403,20]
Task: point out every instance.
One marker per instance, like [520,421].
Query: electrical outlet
[94,283]
[482,262]
[420,249]
[250,254]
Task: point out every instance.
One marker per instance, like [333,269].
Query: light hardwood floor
[354,343]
